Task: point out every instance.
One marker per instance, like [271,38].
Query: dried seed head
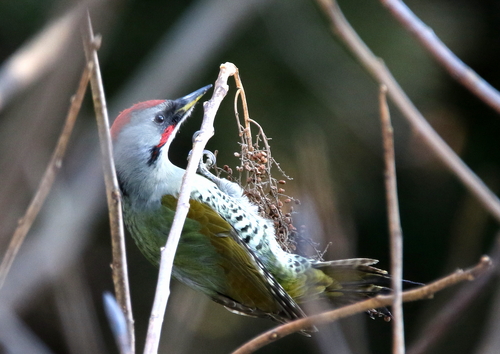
[281,181]
[281,190]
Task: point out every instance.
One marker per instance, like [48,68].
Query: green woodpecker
[226,251]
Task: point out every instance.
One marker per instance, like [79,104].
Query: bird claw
[210,160]
[206,163]
[195,135]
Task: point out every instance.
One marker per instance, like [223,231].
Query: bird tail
[354,280]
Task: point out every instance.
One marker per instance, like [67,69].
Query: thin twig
[246,116]
[48,178]
[244,132]
[265,140]
[424,292]
[382,75]
[444,56]
[119,265]
[398,344]
[168,253]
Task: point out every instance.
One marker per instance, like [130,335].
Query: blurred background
[320,109]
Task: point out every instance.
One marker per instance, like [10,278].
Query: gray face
[143,139]
[134,142]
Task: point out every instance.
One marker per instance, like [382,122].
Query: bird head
[141,137]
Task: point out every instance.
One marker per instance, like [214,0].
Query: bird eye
[159,118]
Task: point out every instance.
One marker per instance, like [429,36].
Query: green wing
[242,284]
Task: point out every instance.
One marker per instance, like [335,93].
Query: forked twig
[382,75]
[48,178]
[396,235]
[455,67]
[119,265]
[168,253]
[424,292]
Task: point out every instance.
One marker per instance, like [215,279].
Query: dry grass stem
[168,253]
[255,175]
[119,265]
[444,56]
[241,93]
[48,178]
[396,235]
[343,30]
[423,292]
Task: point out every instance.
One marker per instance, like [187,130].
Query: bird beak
[187,102]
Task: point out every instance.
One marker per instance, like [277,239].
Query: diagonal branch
[423,292]
[394,225]
[168,253]
[382,75]
[444,56]
[48,178]
[119,265]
